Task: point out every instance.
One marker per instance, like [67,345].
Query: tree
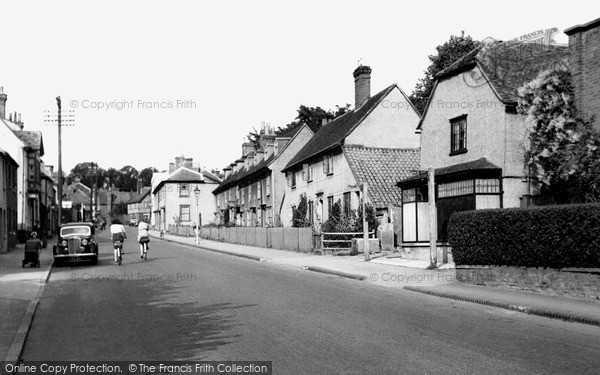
[311,116]
[145,175]
[87,174]
[447,53]
[562,151]
[128,179]
[299,216]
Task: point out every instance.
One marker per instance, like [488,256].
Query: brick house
[250,194]
[584,63]
[473,137]
[184,197]
[337,159]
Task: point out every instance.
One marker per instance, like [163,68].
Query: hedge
[550,237]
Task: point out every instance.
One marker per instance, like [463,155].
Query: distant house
[184,197]
[251,193]
[139,206]
[353,149]
[48,208]
[473,138]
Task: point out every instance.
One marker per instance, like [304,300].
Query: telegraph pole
[51,120]
[58,103]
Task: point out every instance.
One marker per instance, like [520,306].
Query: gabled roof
[7,156]
[183,174]
[31,139]
[505,67]
[381,169]
[333,134]
[481,167]
[140,197]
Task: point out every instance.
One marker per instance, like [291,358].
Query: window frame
[458,126]
[181,189]
[181,213]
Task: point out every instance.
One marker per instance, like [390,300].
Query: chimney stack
[362,85]
[247,148]
[584,44]
[3,99]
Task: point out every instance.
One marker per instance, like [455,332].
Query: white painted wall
[392,124]
[491,132]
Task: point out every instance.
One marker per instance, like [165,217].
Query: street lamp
[197,195]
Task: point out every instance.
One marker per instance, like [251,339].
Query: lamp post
[197,195]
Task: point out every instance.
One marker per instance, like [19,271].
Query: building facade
[473,137]
[251,191]
[326,170]
[184,197]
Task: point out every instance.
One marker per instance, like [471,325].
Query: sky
[151,80]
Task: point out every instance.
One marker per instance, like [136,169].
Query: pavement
[22,288]
[20,291]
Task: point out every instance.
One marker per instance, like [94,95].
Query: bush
[549,237]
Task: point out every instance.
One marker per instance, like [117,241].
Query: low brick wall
[578,282]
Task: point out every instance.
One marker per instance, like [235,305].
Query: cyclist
[117,231]
[143,237]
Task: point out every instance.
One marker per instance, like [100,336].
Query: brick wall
[575,282]
[584,62]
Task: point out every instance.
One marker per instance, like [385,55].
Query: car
[133,222]
[76,242]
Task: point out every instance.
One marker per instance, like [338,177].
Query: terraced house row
[470,133]
[27,187]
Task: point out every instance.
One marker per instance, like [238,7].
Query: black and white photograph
[299,187]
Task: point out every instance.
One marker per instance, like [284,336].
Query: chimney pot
[362,85]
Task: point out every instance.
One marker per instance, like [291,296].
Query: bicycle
[118,245]
[144,247]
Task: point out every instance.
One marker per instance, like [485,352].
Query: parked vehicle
[76,242]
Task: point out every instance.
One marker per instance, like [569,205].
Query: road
[186,303]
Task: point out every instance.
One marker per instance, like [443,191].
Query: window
[329,205]
[310,213]
[293,181]
[259,195]
[184,190]
[347,206]
[487,186]
[458,135]
[328,164]
[184,212]
[415,195]
[307,170]
[268,186]
[453,189]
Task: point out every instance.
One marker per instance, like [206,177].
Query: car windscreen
[69,231]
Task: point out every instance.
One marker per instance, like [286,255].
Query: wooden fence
[293,239]
[340,242]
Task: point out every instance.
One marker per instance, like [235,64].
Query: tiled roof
[505,67]
[32,139]
[467,168]
[334,133]
[184,174]
[381,169]
[140,197]
[235,178]
[508,67]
